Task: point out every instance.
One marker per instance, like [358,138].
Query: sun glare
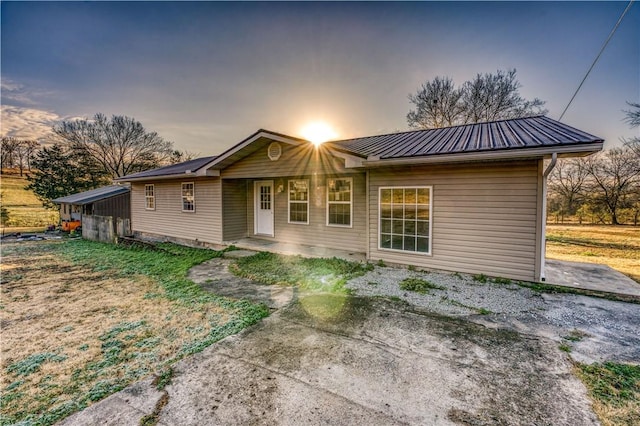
[318,132]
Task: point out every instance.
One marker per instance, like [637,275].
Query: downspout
[543,243]
[368,219]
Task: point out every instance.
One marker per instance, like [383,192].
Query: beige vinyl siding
[483,219]
[205,224]
[294,161]
[316,233]
[234,211]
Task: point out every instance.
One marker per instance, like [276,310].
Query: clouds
[27,123]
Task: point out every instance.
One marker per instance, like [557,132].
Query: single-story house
[468,198]
[112,200]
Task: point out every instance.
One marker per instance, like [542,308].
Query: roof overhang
[507,154]
[246,147]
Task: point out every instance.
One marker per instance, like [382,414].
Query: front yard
[81,320]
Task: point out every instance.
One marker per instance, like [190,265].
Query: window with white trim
[150,197]
[405,219]
[299,201]
[188,197]
[339,201]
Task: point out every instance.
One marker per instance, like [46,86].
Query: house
[468,198]
[109,201]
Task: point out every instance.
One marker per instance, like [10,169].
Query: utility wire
[597,57]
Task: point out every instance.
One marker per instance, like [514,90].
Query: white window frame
[148,197]
[182,196]
[289,201]
[350,202]
[421,253]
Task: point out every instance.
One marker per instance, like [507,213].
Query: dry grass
[94,330]
[25,210]
[615,246]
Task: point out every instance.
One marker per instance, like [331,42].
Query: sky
[205,75]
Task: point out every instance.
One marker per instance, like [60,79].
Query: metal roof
[530,132]
[174,169]
[93,195]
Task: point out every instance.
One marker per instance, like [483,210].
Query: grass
[308,273]
[615,391]
[25,210]
[418,285]
[615,246]
[100,317]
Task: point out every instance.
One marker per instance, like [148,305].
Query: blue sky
[205,75]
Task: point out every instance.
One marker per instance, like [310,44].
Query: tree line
[600,188]
[86,154]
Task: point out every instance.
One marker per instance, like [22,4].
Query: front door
[264,207]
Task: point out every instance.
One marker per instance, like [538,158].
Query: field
[616,246]
[25,210]
[81,320]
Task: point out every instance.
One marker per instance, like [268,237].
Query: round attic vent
[275,151]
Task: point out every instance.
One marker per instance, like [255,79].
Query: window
[299,201]
[188,197]
[339,195]
[405,219]
[150,197]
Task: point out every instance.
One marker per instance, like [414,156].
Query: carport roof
[93,195]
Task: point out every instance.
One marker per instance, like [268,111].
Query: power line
[597,57]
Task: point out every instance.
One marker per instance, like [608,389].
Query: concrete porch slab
[296,249]
[590,276]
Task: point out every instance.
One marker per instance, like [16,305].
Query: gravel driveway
[608,329]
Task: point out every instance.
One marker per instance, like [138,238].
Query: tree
[633,118]
[567,182]
[615,179]
[60,172]
[121,145]
[9,146]
[487,97]
[24,151]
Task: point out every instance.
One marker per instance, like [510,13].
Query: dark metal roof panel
[174,169]
[93,195]
[530,132]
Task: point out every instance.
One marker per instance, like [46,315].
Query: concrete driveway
[328,359]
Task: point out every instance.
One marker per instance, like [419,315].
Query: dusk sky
[206,75]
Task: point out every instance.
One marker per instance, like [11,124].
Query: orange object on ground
[69,226]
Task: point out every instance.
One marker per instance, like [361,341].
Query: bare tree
[9,146]
[120,145]
[488,97]
[24,152]
[567,182]
[438,104]
[615,178]
[633,118]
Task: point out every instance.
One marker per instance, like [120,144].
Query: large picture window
[150,197]
[339,201]
[188,197]
[299,201]
[405,219]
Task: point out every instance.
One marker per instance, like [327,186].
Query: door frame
[256,206]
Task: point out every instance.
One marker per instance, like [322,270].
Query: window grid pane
[339,199]
[404,219]
[150,201]
[299,201]
[188,197]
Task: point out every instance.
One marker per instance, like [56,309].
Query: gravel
[461,294]
[609,328]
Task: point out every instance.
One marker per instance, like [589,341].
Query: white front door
[263,191]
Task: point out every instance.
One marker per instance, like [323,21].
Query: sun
[318,132]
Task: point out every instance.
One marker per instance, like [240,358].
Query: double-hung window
[299,201]
[188,197]
[150,197]
[405,219]
[339,202]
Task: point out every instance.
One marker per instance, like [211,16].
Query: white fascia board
[541,152]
